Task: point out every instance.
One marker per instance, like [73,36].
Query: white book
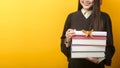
[87,54]
[99,33]
[87,48]
[88,42]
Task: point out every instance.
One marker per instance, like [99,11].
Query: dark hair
[96,14]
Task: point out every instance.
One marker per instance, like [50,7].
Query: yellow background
[30,32]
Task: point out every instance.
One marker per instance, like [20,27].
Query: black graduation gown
[76,20]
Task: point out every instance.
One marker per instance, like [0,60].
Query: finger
[69,30]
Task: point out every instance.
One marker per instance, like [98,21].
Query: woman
[87,17]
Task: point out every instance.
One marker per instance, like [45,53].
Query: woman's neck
[86,10]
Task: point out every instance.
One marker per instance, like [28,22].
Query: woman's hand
[69,34]
[94,60]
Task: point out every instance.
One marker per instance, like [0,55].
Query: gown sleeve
[110,49]
[65,50]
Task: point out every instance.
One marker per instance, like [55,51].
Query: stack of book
[83,46]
